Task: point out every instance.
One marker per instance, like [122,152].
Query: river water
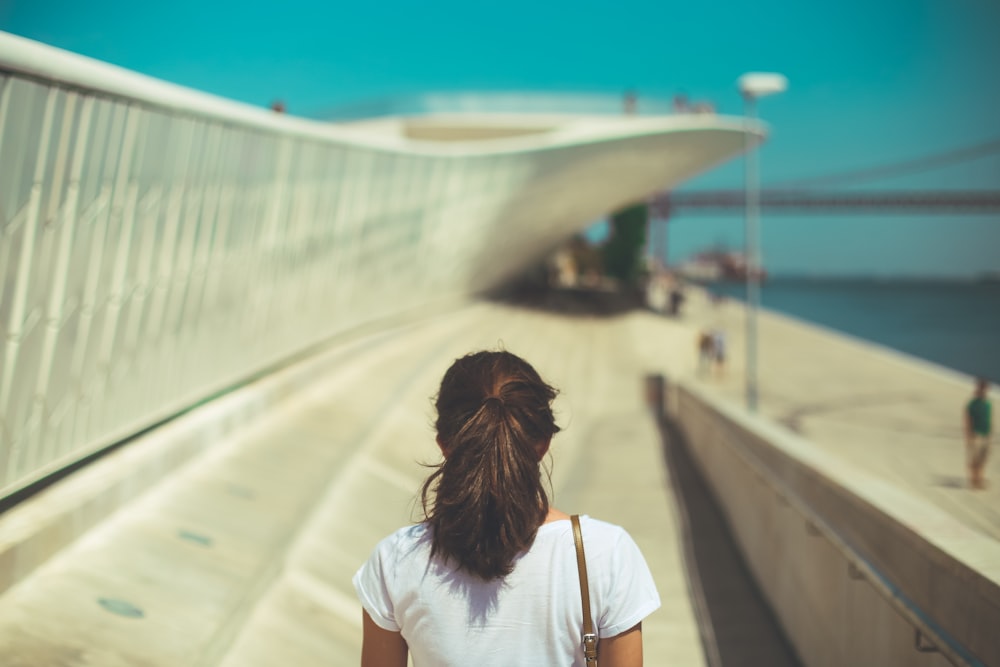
[954,324]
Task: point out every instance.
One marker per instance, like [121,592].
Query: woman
[490,576]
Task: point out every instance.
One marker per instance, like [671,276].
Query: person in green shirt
[978,430]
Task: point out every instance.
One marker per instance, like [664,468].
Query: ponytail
[494,423]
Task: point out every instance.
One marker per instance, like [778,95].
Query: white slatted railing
[158,246]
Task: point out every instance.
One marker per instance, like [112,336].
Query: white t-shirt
[532,617]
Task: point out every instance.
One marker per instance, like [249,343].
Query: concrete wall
[852,566]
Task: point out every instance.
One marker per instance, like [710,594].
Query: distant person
[630,102]
[706,353]
[657,293]
[978,431]
[719,351]
[676,300]
[489,578]
[278,106]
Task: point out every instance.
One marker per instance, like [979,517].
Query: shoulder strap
[589,637]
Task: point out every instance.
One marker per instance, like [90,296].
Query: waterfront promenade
[892,416]
[243,556]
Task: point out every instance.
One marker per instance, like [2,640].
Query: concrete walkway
[891,415]
[244,556]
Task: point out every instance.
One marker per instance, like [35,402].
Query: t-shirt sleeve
[371,585]
[632,592]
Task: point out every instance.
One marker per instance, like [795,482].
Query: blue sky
[870,83]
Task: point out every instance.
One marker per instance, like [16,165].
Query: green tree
[622,252]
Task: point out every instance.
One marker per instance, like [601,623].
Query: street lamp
[753,86]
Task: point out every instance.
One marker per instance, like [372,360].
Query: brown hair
[494,424]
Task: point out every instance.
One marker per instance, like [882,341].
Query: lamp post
[752,86]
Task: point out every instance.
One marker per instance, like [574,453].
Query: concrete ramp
[243,555]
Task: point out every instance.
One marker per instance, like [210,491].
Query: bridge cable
[895,169]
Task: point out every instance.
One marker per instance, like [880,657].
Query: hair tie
[493,399]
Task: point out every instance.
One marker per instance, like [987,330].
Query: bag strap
[589,636]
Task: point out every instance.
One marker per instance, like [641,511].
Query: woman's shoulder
[604,532]
[593,530]
[608,545]
[587,521]
[404,539]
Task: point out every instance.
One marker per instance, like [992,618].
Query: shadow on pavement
[737,626]
[950,481]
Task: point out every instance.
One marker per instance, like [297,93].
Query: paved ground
[895,416]
[244,557]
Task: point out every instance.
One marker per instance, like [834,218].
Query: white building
[160,244]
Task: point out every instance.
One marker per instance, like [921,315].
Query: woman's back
[490,576]
[532,616]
